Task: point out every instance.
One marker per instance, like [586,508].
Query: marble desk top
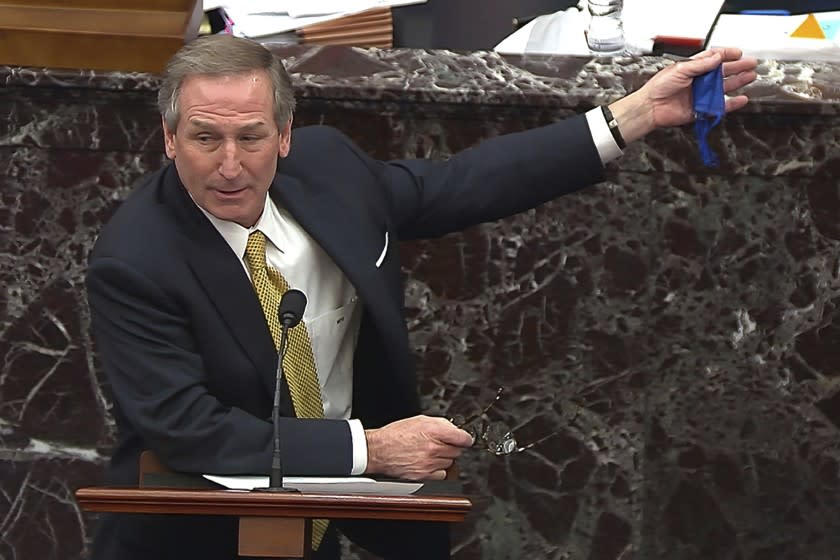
[486,78]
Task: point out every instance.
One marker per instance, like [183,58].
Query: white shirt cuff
[357,434]
[608,150]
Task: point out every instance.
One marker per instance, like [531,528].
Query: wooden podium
[126,35]
[270,525]
[273,525]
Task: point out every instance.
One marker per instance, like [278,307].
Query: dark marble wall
[675,327]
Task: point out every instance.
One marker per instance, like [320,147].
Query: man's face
[226,146]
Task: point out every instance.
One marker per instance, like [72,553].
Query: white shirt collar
[237,236]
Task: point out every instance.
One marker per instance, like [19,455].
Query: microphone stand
[275,482]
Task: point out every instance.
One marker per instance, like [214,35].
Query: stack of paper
[322,485]
[344,22]
[371,28]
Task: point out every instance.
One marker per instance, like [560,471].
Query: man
[182,278]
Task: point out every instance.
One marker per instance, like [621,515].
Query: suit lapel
[222,277]
[350,240]
[353,237]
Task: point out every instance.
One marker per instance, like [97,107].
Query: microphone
[291,308]
[290,312]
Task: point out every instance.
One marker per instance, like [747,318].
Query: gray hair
[223,55]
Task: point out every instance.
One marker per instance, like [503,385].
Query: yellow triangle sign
[810,29]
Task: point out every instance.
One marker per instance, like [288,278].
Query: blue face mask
[709,108]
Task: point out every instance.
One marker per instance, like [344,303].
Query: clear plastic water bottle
[606,33]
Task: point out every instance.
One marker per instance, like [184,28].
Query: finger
[447,433]
[462,439]
[727,53]
[437,475]
[440,464]
[426,470]
[738,81]
[449,452]
[735,103]
[702,54]
[444,453]
[698,66]
[745,64]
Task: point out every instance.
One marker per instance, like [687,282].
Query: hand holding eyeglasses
[494,437]
[416,448]
[424,447]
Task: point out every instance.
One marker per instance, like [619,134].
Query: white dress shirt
[608,150]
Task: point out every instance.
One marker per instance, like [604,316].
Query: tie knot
[255,250]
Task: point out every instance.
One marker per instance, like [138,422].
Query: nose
[231,163]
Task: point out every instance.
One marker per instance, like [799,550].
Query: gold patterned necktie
[298,363]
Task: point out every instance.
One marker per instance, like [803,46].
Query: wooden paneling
[153,5]
[371,28]
[275,537]
[92,35]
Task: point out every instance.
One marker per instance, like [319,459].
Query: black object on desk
[464,24]
[793,6]
[520,22]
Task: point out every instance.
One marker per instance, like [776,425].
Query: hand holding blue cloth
[709,108]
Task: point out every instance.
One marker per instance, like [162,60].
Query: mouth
[229,192]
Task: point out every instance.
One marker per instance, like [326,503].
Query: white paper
[516,42]
[558,33]
[259,18]
[302,8]
[323,485]
[769,36]
[256,25]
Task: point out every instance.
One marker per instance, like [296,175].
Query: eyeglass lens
[494,437]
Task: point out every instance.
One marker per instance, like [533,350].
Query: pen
[519,22]
[678,41]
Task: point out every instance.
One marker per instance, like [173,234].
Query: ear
[168,140]
[285,140]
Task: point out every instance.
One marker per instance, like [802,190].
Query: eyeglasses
[491,436]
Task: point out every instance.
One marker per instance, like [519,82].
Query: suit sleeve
[157,377]
[497,178]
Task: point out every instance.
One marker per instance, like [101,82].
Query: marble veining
[673,330]
[487,78]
